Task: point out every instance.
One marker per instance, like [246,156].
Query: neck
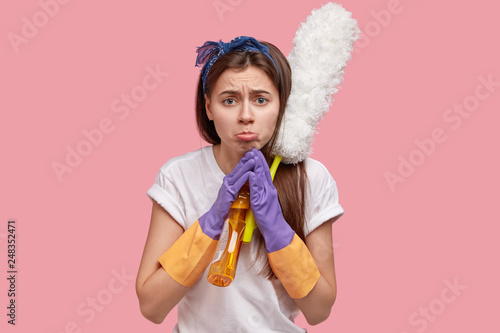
[226,159]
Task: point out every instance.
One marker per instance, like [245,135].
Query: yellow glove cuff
[294,266]
[189,256]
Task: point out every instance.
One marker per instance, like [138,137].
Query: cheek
[272,119]
[223,125]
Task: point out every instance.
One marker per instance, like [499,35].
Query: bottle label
[221,246]
[232,244]
[217,256]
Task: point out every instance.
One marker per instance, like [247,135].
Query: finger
[254,188]
[239,171]
[265,173]
[238,184]
[248,156]
[259,172]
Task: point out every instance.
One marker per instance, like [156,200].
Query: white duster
[322,48]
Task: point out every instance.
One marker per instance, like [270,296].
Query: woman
[288,267]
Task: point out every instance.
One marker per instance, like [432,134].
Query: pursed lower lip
[247,136]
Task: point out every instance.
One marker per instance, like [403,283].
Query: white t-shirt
[187,186]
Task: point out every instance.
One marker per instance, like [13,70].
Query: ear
[208,109]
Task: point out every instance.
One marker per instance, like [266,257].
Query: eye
[261,100]
[229,101]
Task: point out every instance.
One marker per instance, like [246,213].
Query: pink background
[400,246]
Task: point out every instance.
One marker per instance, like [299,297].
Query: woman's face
[244,106]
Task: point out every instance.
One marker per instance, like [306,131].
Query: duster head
[322,48]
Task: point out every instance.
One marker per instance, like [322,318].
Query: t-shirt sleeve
[323,198]
[166,194]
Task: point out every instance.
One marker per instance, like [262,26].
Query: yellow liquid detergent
[223,266]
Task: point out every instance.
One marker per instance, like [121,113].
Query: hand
[212,221]
[266,207]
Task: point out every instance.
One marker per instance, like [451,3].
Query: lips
[247,136]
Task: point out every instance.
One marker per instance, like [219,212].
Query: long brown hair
[290,180]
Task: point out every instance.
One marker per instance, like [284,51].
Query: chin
[247,146]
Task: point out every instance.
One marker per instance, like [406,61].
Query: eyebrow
[258,92]
[229,92]
[253,92]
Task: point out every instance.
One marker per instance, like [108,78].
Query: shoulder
[317,174]
[189,162]
[180,171]
[187,158]
[181,183]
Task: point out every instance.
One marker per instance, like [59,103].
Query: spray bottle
[223,266]
[239,220]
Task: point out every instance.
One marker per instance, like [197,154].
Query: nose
[246,115]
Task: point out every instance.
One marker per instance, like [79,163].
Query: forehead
[250,77]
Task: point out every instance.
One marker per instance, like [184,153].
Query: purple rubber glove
[266,207]
[212,221]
